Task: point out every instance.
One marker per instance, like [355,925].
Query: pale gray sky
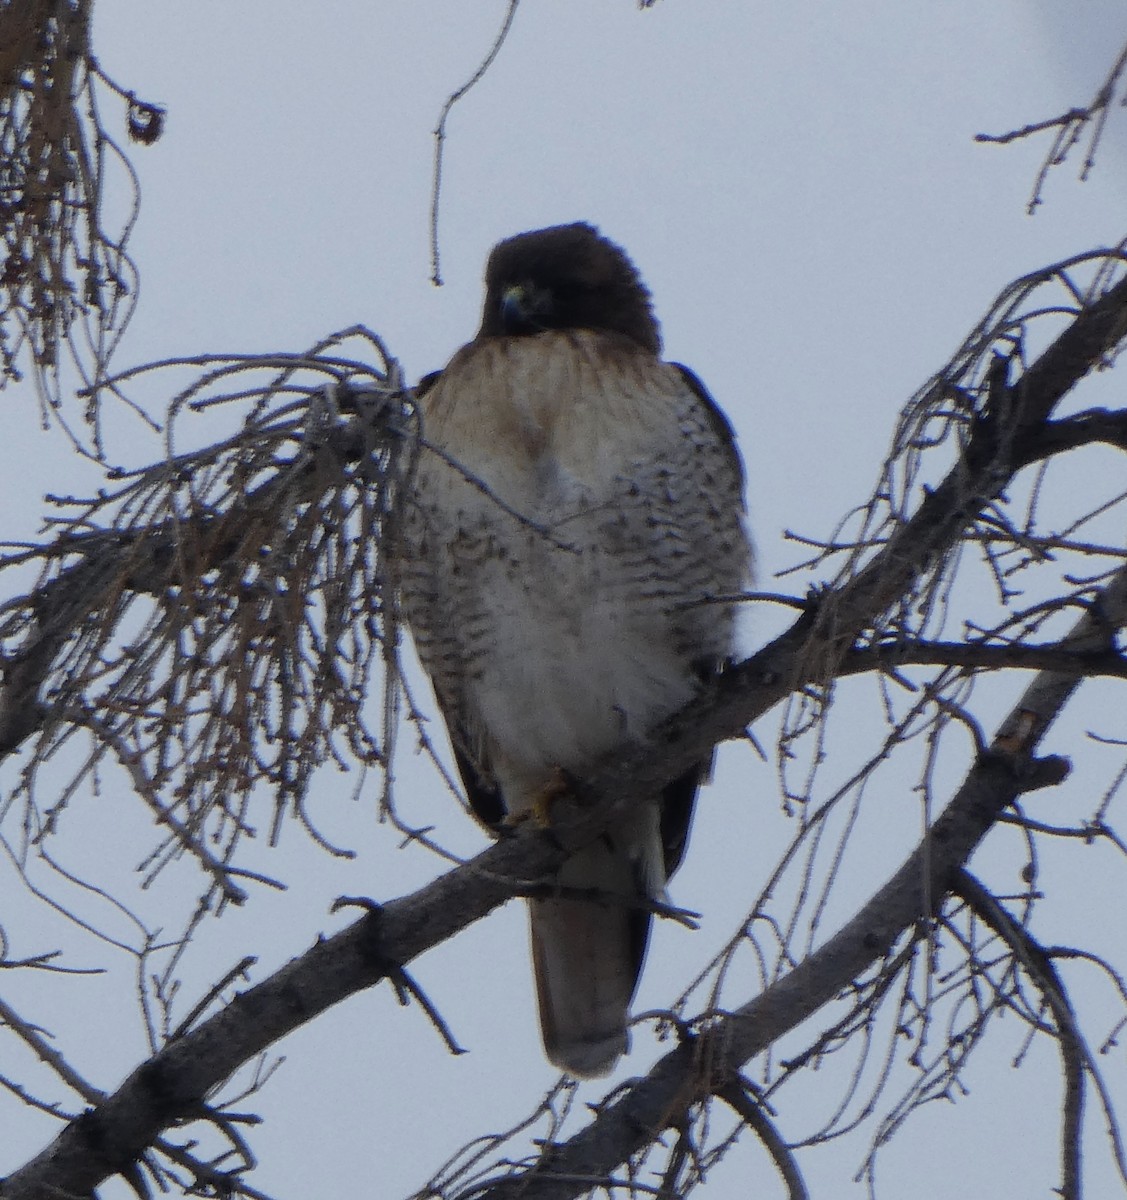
[805,199]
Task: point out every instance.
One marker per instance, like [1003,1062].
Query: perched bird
[577,502]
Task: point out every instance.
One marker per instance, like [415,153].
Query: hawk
[576,506]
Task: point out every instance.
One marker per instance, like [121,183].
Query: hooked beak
[524,308]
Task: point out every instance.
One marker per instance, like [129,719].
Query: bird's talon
[557,788]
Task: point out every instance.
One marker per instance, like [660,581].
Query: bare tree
[212,629]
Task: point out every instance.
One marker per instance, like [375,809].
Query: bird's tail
[587,953]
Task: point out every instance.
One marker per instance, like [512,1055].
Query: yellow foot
[557,787]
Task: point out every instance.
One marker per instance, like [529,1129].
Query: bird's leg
[558,786]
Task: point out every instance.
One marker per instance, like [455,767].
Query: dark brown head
[566,277]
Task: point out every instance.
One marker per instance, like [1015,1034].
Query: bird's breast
[560,562]
[545,420]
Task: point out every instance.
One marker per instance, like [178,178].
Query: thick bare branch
[707,1064]
[180,1077]
[175,1082]
[1105,426]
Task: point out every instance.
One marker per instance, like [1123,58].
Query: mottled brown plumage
[580,500]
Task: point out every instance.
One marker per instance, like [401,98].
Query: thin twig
[440,135]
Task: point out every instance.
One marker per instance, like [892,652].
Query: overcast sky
[819,229]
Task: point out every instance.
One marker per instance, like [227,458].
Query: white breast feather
[573,629]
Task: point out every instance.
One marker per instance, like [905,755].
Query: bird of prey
[577,503]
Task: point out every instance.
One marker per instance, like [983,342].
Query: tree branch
[707,1065]
[175,1081]
[987,656]
[168,554]
[740,1099]
[1040,968]
[1068,125]
[1096,426]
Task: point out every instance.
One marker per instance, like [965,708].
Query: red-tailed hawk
[577,502]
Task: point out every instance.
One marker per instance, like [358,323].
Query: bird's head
[566,277]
